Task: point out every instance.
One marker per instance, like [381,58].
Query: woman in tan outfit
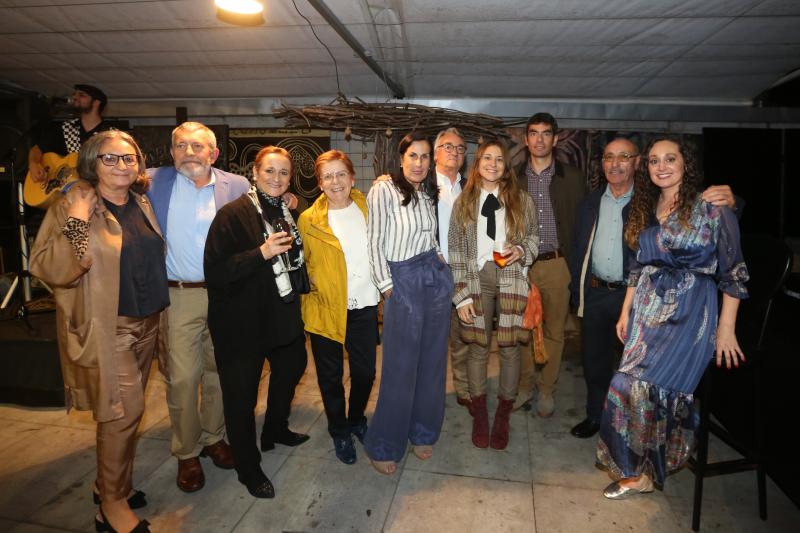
[493,238]
[101,250]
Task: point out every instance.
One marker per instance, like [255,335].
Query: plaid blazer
[513,279]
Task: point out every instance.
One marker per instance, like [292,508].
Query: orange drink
[499,253]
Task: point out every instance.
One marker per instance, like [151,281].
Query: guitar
[58,172]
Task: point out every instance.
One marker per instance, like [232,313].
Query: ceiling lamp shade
[240,12]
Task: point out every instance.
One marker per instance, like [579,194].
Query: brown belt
[597,283]
[547,256]
[187,284]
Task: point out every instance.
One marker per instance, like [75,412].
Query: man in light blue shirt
[185,198]
[606,256]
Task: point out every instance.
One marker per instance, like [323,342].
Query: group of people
[213,273]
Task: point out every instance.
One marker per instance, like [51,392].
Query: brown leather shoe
[221,453]
[190,475]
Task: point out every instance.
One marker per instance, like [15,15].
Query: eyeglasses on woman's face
[111,160]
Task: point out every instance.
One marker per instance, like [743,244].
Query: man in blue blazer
[185,198]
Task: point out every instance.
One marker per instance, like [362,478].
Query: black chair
[736,397]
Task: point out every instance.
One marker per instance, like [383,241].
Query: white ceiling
[715,51]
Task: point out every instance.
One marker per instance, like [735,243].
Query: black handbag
[300,282]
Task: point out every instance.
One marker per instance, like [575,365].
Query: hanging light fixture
[240,12]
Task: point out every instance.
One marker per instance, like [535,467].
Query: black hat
[94,92]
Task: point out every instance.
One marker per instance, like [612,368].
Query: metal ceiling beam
[349,38]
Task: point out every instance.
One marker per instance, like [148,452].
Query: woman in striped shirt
[408,269]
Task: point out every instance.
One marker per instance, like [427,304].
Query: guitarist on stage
[65,137]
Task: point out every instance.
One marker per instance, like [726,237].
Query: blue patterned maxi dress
[649,419]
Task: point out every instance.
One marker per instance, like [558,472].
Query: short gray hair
[195,126]
[452,131]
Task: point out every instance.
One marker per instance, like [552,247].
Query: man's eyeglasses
[450,148]
[111,160]
[622,157]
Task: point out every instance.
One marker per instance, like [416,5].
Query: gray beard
[194,170]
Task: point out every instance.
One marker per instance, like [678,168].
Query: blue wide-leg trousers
[416,326]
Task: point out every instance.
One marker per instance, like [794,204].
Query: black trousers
[360,341]
[600,344]
[239,376]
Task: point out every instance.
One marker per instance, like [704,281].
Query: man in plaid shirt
[556,189]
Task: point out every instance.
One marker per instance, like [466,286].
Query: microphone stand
[23,277]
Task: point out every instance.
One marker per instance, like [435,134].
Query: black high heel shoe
[103,525]
[135,501]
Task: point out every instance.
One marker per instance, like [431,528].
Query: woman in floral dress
[671,324]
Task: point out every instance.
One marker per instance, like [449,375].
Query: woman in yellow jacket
[341,311]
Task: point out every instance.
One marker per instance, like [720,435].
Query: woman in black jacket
[254,268]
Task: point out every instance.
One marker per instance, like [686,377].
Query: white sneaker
[545,406]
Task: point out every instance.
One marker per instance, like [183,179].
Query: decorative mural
[303,145]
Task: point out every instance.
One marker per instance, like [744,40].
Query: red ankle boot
[480,422]
[500,424]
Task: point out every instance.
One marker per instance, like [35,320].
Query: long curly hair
[645,199]
[465,210]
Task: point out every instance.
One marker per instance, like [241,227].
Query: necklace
[662,212]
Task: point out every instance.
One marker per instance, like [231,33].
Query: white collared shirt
[485,244]
[448,193]
[396,232]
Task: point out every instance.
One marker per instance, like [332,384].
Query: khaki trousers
[479,355]
[459,354]
[116,439]
[194,396]
[552,278]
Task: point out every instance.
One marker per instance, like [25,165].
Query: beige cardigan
[514,286]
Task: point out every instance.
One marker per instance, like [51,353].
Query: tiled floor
[545,482]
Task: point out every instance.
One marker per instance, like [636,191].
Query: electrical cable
[335,64]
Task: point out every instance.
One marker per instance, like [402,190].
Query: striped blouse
[396,232]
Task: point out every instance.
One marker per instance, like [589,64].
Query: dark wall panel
[752,162]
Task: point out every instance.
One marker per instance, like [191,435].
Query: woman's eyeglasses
[111,160]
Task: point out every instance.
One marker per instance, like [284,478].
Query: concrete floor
[545,482]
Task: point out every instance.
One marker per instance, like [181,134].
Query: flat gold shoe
[615,491]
